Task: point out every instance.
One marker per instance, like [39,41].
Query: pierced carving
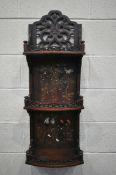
[55,32]
[54,54]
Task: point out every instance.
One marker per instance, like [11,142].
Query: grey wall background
[98,84]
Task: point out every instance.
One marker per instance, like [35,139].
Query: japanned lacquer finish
[54,54]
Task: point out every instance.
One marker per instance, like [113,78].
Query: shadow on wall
[76,170]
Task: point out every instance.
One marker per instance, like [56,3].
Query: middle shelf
[31,104]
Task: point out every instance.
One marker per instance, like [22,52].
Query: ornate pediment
[55,32]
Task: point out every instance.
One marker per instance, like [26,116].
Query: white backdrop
[98,84]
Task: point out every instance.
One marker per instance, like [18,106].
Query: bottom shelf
[54,139]
[73,161]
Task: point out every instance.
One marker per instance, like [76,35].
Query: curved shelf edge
[54,109]
[71,161]
[35,106]
[54,53]
[69,164]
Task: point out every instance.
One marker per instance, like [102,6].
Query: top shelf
[81,53]
[29,51]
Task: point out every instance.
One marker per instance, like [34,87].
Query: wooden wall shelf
[54,55]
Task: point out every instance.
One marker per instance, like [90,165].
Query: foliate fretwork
[55,32]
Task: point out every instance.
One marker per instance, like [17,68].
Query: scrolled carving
[54,54]
[55,32]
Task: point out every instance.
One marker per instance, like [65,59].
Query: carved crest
[55,32]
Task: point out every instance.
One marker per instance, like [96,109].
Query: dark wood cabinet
[54,54]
